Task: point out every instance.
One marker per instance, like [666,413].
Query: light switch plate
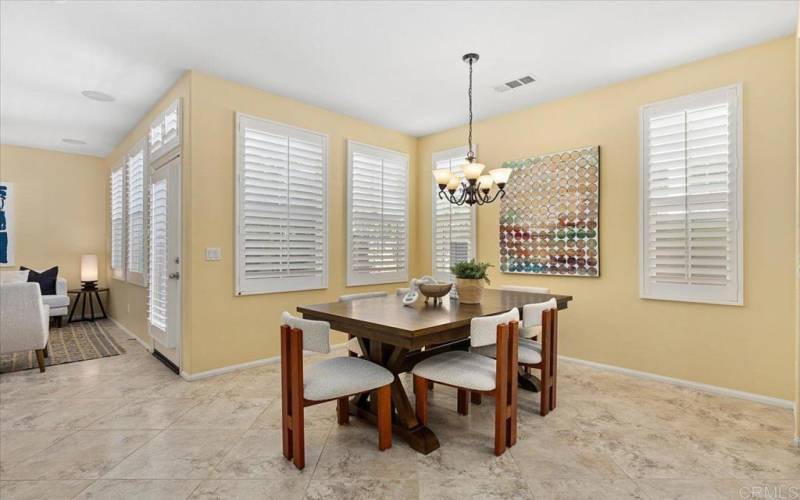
[213,253]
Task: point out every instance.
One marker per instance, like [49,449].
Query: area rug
[79,341]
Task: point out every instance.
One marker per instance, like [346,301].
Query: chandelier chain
[470,155]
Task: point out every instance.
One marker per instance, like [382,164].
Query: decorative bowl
[435,291]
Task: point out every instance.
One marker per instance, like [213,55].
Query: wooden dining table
[397,337]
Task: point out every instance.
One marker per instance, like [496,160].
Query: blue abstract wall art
[6,224]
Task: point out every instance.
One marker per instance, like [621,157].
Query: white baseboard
[241,366]
[713,389]
[132,335]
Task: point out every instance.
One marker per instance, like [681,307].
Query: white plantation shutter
[281,202]
[135,181]
[377,223]
[117,210]
[453,226]
[157,303]
[165,134]
[691,198]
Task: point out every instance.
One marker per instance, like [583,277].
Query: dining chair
[353,347]
[331,379]
[538,320]
[471,372]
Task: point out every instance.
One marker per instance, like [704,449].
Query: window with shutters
[117,210]
[165,134]
[453,226]
[157,304]
[377,215]
[691,198]
[135,182]
[281,227]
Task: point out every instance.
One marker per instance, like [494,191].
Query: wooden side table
[88,295]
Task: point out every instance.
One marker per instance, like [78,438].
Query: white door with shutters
[163,312]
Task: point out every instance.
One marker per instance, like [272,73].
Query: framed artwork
[6,224]
[550,216]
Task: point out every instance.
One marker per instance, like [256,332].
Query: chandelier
[476,186]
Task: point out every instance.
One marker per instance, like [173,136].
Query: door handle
[174,276]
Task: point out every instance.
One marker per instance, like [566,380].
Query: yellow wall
[59,209]
[749,348]
[129,301]
[226,329]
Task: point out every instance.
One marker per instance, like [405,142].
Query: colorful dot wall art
[549,218]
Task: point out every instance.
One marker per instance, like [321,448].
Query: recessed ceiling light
[76,142]
[97,96]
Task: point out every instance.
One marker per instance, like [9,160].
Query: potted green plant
[470,276]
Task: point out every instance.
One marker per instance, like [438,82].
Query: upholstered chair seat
[530,352]
[343,376]
[459,369]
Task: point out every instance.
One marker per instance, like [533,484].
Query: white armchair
[24,320]
[59,303]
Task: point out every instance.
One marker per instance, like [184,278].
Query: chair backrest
[316,334]
[528,289]
[23,318]
[358,296]
[532,317]
[483,331]
[532,313]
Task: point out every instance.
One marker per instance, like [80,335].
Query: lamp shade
[88,267]
[501,175]
[473,170]
[485,181]
[453,183]
[442,176]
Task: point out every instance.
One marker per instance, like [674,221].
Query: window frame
[166,151]
[449,154]
[275,285]
[360,278]
[692,292]
[136,277]
[118,273]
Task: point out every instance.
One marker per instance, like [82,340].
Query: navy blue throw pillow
[46,279]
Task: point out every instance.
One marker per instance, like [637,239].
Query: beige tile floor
[126,427]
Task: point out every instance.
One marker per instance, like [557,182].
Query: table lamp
[88,272]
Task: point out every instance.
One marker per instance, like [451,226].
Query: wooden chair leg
[421,396]
[475,397]
[343,410]
[384,417]
[59,321]
[296,374]
[286,405]
[47,350]
[500,391]
[40,359]
[463,407]
[513,369]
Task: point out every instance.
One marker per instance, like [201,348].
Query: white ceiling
[394,64]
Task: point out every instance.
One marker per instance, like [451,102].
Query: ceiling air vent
[519,82]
